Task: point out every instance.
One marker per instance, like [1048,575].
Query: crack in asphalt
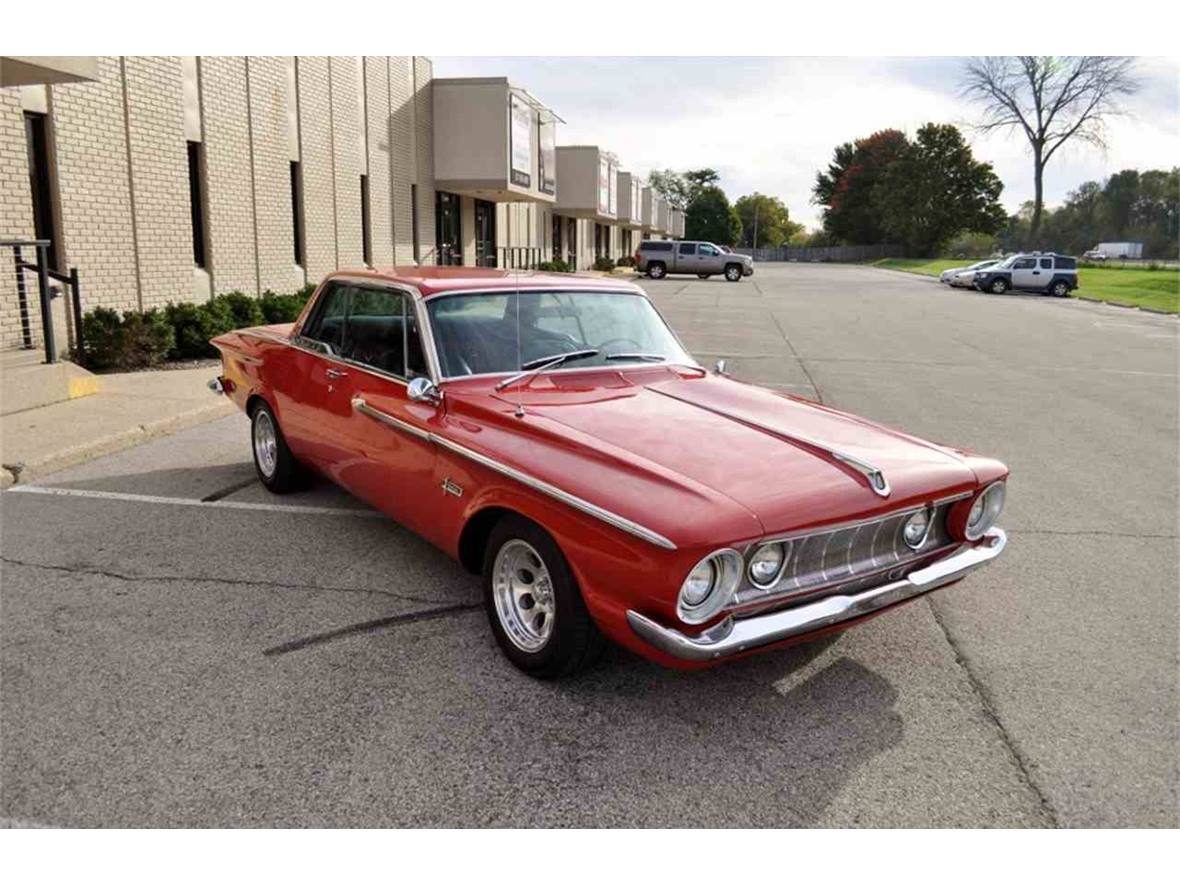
[791,347]
[989,709]
[243,582]
[229,490]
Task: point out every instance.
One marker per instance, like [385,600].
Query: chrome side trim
[877,481]
[396,423]
[733,636]
[532,482]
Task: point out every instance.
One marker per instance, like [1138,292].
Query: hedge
[138,340]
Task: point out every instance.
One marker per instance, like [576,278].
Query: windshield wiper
[541,364]
[642,357]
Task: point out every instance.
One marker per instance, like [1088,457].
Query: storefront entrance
[485,234]
[448,228]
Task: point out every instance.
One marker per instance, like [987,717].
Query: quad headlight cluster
[985,510]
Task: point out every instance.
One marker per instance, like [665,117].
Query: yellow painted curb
[84,386]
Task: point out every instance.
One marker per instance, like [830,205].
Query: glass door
[448,228]
[485,234]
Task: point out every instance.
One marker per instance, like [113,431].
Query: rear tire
[1060,289]
[656,270]
[276,467]
[533,603]
[998,286]
[733,272]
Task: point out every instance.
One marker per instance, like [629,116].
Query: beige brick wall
[423,111]
[94,186]
[402,138]
[16,222]
[315,148]
[159,168]
[274,224]
[346,145]
[230,229]
[378,128]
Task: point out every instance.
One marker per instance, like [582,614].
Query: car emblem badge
[450,488]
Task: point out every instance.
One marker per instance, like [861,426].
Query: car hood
[674,447]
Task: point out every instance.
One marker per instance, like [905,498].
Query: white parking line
[192,502]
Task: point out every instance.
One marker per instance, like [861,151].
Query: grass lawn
[1159,289]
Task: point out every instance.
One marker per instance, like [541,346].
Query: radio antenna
[519,391]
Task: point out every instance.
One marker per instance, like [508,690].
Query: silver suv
[658,258]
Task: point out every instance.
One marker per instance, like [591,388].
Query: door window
[706,249]
[1046,263]
[1024,263]
[688,248]
[326,326]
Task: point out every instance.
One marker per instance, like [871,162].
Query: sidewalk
[128,409]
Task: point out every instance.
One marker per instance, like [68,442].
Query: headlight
[917,528]
[709,586]
[767,564]
[985,510]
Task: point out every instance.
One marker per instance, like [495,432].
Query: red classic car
[551,433]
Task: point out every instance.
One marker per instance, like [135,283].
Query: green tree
[710,217]
[845,190]
[773,220]
[1118,202]
[935,190]
[680,188]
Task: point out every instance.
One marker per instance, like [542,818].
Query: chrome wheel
[523,593]
[999,287]
[266,443]
[733,274]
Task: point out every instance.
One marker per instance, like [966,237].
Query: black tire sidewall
[998,287]
[656,271]
[574,637]
[283,478]
[733,273]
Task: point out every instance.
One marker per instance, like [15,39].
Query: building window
[366,223]
[297,213]
[196,199]
[44,219]
[414,221]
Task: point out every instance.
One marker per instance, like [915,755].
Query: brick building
[166,179]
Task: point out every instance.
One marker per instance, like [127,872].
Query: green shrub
[246,310]
[556,266]
[281,308]
[626,261]
[603,263]
[194,324]
[134,341]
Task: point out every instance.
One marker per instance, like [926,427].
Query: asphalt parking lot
[179,648]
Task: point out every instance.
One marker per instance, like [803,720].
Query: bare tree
[1050,99]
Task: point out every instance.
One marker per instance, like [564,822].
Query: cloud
[769,124]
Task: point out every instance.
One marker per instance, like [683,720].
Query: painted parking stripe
[301,509]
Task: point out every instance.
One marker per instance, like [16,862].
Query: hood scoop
[872,474]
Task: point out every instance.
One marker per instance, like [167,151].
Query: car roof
[431,281]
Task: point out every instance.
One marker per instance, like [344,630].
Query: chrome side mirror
[423,390]
[719,368]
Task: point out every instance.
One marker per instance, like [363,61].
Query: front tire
[276,466]
[733,272]
[998,286]
[533,603]
[656,271]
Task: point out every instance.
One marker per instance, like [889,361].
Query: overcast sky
[769,124]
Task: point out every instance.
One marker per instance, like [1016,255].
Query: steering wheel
[605,345]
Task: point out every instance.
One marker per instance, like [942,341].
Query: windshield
[476,334]
[979,265]
[1009,261]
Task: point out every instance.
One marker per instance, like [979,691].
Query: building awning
[37,70]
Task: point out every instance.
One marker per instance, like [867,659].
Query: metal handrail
[44,275]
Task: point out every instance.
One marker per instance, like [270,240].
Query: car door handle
[336,373]
[1036,273]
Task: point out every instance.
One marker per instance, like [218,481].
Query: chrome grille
[848,554]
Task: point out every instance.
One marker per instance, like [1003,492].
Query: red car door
[391,459]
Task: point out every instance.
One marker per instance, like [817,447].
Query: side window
[375,334]
[1046,263]
[1066,263]
[415,359]
[326,324]
[1024,263]
[706,249]
[688,248]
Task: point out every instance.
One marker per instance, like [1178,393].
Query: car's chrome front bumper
[735,635]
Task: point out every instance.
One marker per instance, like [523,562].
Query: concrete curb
[1155,310]
[115,442]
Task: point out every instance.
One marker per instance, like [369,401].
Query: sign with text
[548,141]
[521,144]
